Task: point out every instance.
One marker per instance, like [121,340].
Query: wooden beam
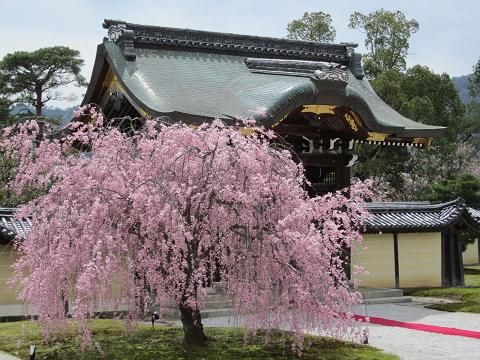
[325,159]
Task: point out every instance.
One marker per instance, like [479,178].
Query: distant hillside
[64,115]
[461,83]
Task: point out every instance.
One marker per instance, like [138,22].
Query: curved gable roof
[191,75]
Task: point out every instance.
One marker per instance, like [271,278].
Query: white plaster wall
[377,259]
[470,255]
[7,295]
[420,259]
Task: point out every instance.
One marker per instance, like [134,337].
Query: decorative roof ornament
[350,47]
[356,66]
[317,70]
[118,32]
[331,74]
[115,32]
[355,60]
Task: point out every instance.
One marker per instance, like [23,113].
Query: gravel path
[420,345]
[412,344]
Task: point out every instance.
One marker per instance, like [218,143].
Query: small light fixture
[155,316]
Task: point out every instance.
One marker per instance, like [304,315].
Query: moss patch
[111,342]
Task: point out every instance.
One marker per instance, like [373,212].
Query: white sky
[448,39]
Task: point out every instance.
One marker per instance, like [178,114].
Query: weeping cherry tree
[151,215]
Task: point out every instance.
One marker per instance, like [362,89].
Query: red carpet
[420,327]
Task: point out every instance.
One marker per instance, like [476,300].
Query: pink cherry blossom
[154,216]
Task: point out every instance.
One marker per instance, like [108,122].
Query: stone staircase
[372,296]
[217,304]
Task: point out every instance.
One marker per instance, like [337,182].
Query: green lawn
[167,343]
[468,297]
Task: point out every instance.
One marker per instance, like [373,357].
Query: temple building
[314,95]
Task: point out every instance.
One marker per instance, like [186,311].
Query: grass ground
[165,343]
[468,297]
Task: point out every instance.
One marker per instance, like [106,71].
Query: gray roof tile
[9,226]
[420,217]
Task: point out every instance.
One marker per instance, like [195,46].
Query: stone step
[380,293]
[213,313]
[387,300]
[210,291]
[217,288]
[216,297]
[218,304]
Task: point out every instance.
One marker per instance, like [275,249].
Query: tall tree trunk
[64,299]
[192,326]
[38,101]
[38,111]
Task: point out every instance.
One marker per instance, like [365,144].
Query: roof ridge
[129,35]
[7,211]
[380,207]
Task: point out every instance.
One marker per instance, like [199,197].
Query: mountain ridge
[64,115]
[461,84]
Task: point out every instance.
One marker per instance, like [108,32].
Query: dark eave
[420,217]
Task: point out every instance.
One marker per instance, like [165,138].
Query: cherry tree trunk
[192,326]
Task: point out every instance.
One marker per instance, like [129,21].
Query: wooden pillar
[478,250]
[459,280]
[452,251]
[396,262]
[445,261]
[342,177]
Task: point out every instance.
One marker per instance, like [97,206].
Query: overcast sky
[448,39]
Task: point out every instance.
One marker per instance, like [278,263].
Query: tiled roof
[474,213]
[420,216]
[9,226]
